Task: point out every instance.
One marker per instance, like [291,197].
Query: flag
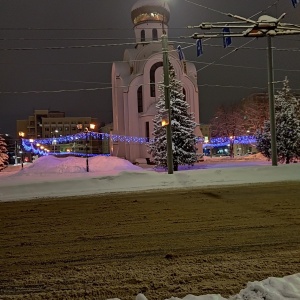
[227,39]
[180,53]
[295,2]
[199,47]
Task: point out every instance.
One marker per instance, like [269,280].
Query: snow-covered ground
[53,177]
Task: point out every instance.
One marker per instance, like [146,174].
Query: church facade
[135,80]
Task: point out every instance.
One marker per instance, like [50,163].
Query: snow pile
[71,164]
[272,288]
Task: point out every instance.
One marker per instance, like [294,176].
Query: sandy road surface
[164,243]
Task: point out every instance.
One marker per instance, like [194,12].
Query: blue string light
[32,146]
[224,141]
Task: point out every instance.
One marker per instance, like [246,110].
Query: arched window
[143,36]
[147,129]
[154,34]
[140,99]
[184,93]
[152,77]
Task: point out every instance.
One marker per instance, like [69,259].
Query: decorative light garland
[30,146]
[224,141]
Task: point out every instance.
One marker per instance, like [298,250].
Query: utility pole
[272,102]
[265,26]
[164,40]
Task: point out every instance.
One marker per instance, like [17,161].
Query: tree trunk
[175,166]
[231,150]
[287,161]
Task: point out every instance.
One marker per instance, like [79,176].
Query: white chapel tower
[135,79]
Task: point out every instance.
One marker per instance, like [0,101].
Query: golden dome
[150,10]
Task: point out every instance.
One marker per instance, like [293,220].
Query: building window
[143,36]
[140,99]
[184,94]
[154,35]
[47,128]
[152,77]
[147,131]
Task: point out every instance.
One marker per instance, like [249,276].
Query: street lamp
[21,135]
[31,150]
[87,131]
[54,142]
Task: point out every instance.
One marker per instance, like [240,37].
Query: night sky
[104,28]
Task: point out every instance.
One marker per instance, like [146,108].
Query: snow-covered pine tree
[3,153]
[182,124]
[287,127]
[263,138]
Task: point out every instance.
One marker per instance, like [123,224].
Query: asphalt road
[161,243]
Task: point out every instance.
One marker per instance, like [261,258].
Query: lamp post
[54,142]
[164,40]
[21,135]
[31,150]
[87,131]
[86,149]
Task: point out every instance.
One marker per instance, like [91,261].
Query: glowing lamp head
[165,118]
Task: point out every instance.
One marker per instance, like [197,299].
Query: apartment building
[54,124]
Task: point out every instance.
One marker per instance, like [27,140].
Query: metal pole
[86,151]
[271,102]
[164,40]
[21,156]
[16,152]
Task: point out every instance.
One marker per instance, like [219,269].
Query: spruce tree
[3,153]
[287,127]
[182,125]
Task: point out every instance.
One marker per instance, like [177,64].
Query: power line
[264,10]
[67,47]
[75,29]
[135,43]
[110,87]
[208,8]
[57,91]
[65,39]
[229,53]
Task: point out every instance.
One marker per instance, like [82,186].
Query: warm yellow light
[92,126]
[165,118]
[164,123]
[38,145]
[21,133]
[31,140]
[42,147]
